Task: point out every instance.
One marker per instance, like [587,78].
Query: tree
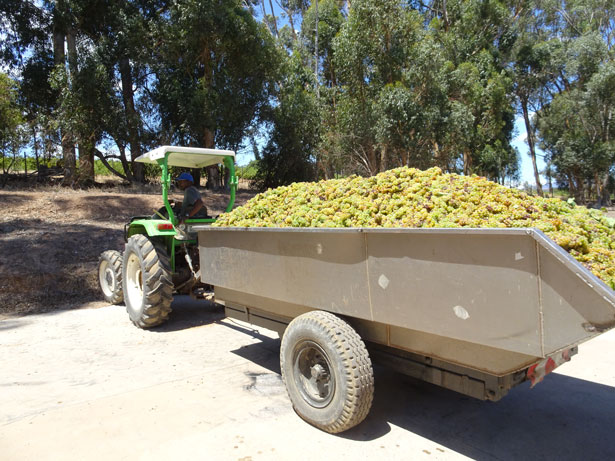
[215,70]
[371,50]
[576,130]
[11,120]
[289,155]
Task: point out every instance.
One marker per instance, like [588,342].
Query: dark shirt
[191,196]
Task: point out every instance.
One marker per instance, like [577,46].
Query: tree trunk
[467,163]
[603,197]
[59,57]
[275,20]
[104,161]
[132,119]
[383,159]
[86,163]
[571,188]
[213,172]
[71,45]
[606,195]
[579,188]
[531,144]
[316,54]
[35,146]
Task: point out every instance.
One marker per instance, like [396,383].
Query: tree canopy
[317,89]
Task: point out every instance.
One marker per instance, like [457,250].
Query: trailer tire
[147,282]
[327,371]
[110,276]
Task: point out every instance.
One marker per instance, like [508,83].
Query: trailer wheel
[110,276]
[147,282]
[327,371]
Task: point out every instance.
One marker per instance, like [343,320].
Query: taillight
[165,226]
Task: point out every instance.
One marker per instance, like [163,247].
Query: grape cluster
[407,197]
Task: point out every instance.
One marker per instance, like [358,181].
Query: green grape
[407,197]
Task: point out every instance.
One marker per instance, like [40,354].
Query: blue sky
[520,142]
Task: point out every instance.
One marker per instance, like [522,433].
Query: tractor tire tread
[114,258]
[157,284]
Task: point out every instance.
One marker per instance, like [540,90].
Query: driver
[192,205]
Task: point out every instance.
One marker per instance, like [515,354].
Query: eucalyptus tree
[575,119]
[11,122]
[215,69]
[291,152]
[369,53]
[577,130]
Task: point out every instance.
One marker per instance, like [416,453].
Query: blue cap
[186,176]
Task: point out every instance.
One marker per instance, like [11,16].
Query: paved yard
[86,384]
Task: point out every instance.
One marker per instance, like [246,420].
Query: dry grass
[51,238]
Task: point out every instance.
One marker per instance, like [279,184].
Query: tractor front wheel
[147,282]
[110,276]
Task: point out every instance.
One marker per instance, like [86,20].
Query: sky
[520,142]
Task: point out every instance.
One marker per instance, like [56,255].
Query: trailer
[477,311]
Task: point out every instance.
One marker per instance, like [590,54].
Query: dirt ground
[51,238]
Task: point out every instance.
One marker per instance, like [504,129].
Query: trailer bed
[496,301]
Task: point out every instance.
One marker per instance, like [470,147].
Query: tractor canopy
[183,157]
[186,157]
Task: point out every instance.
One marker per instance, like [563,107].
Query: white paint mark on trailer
[383,281]
[461,312]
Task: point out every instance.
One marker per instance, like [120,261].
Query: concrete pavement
[88,385]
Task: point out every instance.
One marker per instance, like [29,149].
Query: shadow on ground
[558,419]
[46,266]
[190,313]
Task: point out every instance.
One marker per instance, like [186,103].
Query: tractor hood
[186,157]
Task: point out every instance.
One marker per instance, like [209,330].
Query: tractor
[161,256]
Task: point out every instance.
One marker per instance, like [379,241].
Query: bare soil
[51,239]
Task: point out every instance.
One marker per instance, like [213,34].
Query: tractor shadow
[190,313]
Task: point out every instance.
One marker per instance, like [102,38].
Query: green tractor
[161,256]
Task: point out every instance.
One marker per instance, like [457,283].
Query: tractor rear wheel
[147,282]
[110,276]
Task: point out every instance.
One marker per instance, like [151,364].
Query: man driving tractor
[192,205]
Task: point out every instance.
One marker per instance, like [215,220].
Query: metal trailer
[478,311]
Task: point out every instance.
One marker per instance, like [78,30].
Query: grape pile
[407,197]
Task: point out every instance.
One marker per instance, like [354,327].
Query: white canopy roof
[187,157]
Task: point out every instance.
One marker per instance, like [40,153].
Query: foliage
[214,72]
[10,114]
[414,83]
[289,154]
[248,171]
[12,135]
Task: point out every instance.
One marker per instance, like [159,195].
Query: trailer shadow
[562,418]
[265,353]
